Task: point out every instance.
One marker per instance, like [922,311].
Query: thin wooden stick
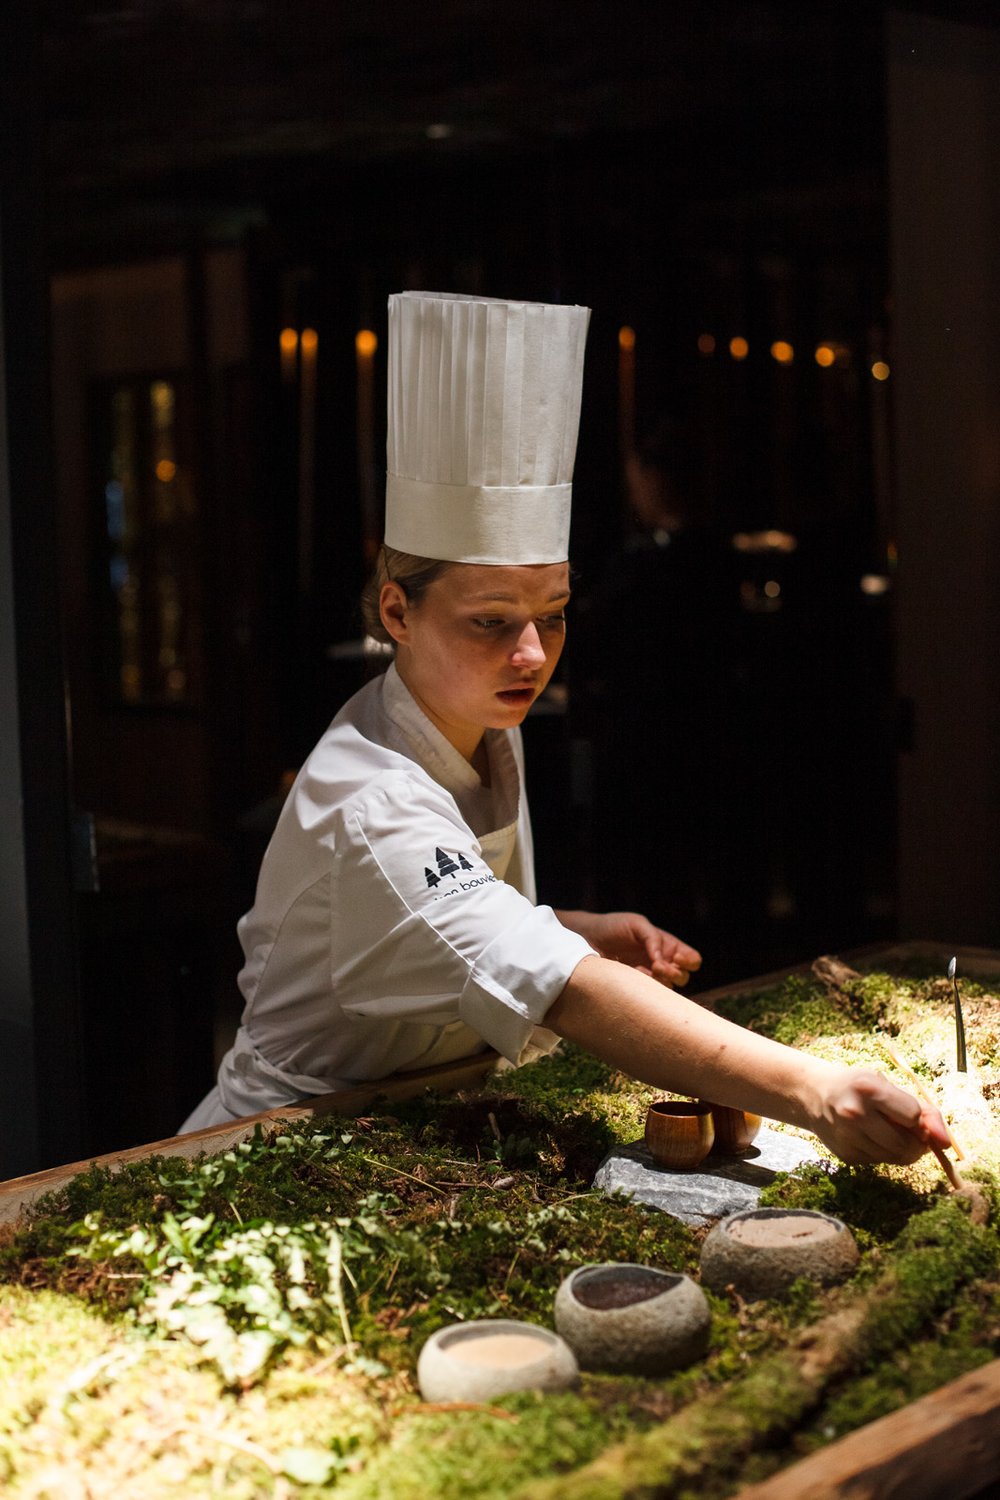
[948,1167]
[918,1084]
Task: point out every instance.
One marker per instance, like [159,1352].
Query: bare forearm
[661,1038]
[674,1044]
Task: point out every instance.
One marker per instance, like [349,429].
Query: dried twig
[422,1408]
[385,1166]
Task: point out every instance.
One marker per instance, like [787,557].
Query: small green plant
[242,1297]
[338,1247]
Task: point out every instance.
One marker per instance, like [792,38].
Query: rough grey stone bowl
[761,1251]
[630,1318]
[492,1357]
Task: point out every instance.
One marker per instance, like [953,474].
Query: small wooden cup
[735,1129]
[679,1132]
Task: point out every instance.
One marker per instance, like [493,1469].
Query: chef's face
[480,644]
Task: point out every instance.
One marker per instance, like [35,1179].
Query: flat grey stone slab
[724,1185]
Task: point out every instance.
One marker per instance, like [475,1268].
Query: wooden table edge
[944,1443]
[18,1193]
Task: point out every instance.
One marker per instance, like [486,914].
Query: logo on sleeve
[446,869]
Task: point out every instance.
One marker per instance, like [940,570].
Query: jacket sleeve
[422,930]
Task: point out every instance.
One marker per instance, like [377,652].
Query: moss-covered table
[240,1313]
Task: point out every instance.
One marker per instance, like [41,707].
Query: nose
[528,649]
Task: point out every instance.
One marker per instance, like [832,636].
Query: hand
[633,939]
[863,1117]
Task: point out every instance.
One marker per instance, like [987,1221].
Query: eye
[553,622]
[488,622]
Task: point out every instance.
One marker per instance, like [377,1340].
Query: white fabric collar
[450,769]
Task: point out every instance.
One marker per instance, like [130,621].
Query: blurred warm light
[165,470]
[764,541]
[874,583]
[310,339]
[706,343]
[626,337]
[760,601]
[439,131]
[739,348]
[365,343]
[832,353]
[880,370]
[289,340]
[892,554]
[782,352]
[162,393]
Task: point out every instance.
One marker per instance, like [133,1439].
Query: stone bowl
[679,1132]
[759,1252]
[632,1319]
[482,1360]
[735,1129]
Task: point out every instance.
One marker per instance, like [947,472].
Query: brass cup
[679,1132]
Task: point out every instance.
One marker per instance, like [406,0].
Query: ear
[393,608]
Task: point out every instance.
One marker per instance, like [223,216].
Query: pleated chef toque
[483,416]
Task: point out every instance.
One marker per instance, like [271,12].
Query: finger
[670,973]
[933,1128]
[874,1092]
[883,1121]
[664,979]
[686,955]
[678,950]
[884,1140]
[869,1154]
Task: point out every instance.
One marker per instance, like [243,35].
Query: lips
[517,697]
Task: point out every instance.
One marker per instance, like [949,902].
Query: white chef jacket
[394,925]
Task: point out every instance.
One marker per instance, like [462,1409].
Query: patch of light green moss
[89,1407]
[336,1248]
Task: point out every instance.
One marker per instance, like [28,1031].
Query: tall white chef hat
[483,416]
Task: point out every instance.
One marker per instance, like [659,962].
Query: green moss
[938,1253]
[460,1454]
[875,1205]
[86,1407]
[477,1205]
[560,1116]
[798,1010]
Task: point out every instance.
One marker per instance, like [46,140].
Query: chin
[505,718]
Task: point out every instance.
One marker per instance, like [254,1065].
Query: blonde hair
[413,574]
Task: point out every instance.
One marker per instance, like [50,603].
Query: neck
[470,744]
[480,761]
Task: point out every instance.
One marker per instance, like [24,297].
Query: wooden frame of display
[945,1442]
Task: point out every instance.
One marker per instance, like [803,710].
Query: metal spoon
[961,1064]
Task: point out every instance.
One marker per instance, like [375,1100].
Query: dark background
[181,183]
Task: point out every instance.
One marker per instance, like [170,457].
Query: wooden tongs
[979,1208]
[947,1165]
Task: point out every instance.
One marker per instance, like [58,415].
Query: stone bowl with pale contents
[760,1252]
[493,1357]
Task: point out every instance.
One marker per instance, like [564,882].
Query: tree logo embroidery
[446,865]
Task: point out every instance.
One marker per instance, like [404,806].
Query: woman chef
[395,924]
